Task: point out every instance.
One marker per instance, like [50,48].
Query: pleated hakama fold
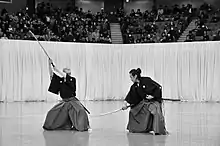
[69,114]
[147,116]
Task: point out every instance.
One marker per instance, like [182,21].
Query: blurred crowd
[207,25]
[162,24]
[54,24]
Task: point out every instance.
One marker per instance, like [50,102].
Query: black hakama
[69,114]
[145,115]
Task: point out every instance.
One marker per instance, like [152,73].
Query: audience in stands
[190,37]
[207,25]
[159,25]
[50,24]
[216,37]
[162,24]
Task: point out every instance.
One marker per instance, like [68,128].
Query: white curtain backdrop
[187,71]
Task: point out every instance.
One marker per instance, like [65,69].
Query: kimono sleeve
[131,96]
[55,84]
[128,98]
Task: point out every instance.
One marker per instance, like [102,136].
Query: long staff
[41,46]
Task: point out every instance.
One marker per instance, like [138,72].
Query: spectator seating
[164,24]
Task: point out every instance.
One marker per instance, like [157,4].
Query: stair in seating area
[190,27]
[116,34]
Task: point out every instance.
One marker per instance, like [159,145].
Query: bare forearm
[59,72]
[50,70]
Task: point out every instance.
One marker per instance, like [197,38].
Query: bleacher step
[190,27]
[116,34]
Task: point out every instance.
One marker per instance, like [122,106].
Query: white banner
[187,71]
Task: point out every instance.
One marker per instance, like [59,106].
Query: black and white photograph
[5,1]
[109,73]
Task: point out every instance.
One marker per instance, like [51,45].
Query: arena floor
[189,124]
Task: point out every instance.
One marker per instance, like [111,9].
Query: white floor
[189,124]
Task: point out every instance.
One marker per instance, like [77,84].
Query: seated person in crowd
[205,36]
[217,37]
[190,37]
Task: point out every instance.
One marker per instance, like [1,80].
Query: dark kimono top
[147,86]
[66,89]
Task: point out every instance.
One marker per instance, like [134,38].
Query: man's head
[67,70]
